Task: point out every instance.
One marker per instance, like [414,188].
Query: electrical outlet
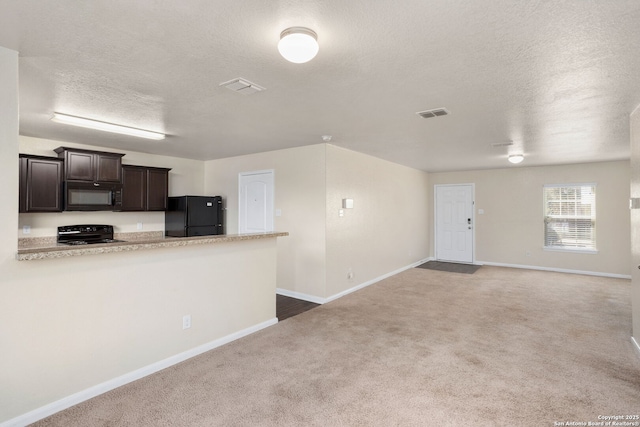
[26,229]
[139,226]
[186,321]
[527,253]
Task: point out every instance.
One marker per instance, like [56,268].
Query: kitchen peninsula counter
[47,248]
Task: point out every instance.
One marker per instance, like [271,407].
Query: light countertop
[47,248]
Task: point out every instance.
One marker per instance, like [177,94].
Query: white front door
[454,223]
[256,202]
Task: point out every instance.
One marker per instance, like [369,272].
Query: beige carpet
[501,347]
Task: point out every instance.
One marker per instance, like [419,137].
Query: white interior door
[454,223]
[255,202]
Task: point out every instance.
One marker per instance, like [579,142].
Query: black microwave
[92,196]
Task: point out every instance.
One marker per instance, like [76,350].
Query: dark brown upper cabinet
[134,188]
[40,184]
[91,166]
[157,189]
[144,188]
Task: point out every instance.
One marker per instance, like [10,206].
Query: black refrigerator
[194,216]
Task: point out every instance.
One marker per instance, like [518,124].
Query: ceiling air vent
[426,114]
[243,86]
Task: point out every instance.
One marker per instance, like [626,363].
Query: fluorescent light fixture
[104,126]
[516,158]
[298,44]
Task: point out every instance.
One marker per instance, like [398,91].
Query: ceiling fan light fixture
[298,44]
[516,158]
[105,126]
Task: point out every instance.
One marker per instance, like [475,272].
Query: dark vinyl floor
[288,307]
[450,267]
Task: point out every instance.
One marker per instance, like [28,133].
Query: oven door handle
[69,232]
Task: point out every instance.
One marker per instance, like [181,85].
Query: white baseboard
[300,295]
[320,300]
[377,279]
[636,345]
[557,270]
[74,399]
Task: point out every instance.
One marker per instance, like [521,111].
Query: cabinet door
[108,168]
[157,189]
[80,166]
[134,188]
[22,204]
[43,186]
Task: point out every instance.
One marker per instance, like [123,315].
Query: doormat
[451,267]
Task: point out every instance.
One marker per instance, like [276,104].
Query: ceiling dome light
[516,158]
[298,44]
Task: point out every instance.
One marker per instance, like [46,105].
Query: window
[570,217]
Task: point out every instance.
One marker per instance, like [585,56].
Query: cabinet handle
[95,184]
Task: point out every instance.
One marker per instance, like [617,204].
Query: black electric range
[86,234]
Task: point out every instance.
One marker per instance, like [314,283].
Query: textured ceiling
[558,78]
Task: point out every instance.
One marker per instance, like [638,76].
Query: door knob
[468,220]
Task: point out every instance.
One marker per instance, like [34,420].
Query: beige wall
[635,223]
[299,194]
[512,223]
[388,227]
[310,183]
[71,324]
[8,155]
[186,177]
[9,351]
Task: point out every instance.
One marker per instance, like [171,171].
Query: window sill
[571,250]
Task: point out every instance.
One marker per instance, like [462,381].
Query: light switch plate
[186,321]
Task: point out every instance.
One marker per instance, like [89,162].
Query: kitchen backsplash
[46,224]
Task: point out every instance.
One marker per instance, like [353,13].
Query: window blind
[570,216]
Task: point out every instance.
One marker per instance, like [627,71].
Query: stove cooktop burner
[111,241]
[89,242]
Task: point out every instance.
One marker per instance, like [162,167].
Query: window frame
[570,248]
